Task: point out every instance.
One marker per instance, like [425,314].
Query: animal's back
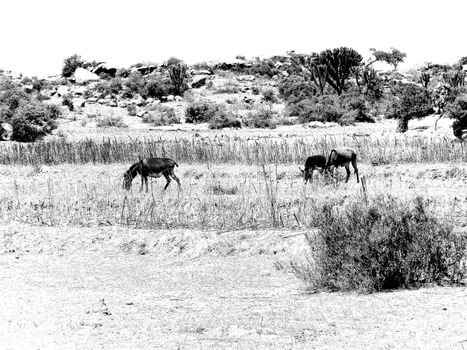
[158,163]
[316,160]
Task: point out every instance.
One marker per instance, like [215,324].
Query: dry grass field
[88,265]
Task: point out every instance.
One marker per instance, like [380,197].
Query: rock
[202,72]
[138,100]
[6,131]
[92,100]
[82,75]
[248,100]
[330,125]
[316,125]
[178,98]
[141,113]
[246,78]
[105,68]
[122,104]
[111,103]
[145,70]
[149,100]
[63,90]
[28,88]
[198,81]
[170,98]
[80,90]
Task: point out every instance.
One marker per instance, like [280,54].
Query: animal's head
[127,179]
[306,174]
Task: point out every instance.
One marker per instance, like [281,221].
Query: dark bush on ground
[354,103]
[131,110]
[67,101]
[324,108]
[295,88]
[201,111]
[161,115]
[224,119]
[458,111]
[157,87]
[411,101]
[269,96]
[133,85]
[110,120]
[70,64]
[31,119]
[385,244]
[264,117]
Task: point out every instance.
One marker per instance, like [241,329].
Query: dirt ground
[108,288]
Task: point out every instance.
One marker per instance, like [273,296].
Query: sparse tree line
[335,85]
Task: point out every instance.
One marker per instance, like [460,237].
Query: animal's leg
[354,164]
[142,183]
[146,180]
[347,169]
[167,177]
[175,178]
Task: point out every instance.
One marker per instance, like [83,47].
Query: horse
[311,163]
[151,167]
[343,156]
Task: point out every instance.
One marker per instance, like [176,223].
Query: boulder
[316,125]
[82,76]
[28,88]
[80,90]
[178,98]
[63,90]
[246,78]
[198,81]
[202,72]
[141,113]
[170,98]
[105,68]
[6,131]
[145,70]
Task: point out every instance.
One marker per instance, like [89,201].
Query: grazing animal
[151,167]
[343,156]
[311,163]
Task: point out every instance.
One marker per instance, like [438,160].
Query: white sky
[36,35]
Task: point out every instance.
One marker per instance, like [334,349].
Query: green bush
[269,96]
[30,117]
[458,111]
[161,115]
[324,108]
[201,111]
[224,119]
[385,244]
[110,120]
[33,120]
[133,85]
[70,64]
[295,88]
[263,117]
[131,110]
[157,87]
[411,101]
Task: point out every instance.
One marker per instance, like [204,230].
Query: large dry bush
[384,244]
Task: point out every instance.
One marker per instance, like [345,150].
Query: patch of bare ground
[108,299]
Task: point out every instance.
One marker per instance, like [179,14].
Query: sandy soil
[76,288]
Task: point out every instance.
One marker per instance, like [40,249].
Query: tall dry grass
[389,149]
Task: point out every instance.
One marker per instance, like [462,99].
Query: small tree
[425,78]
[70,64]
[308,67]
[339,63]
[178,76]
[458,111]
[393,57]
[411,101]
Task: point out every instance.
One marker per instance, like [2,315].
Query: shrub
[68,102]
[33,120]
[70,64]
[178,76]
[110,120]
[123,73]
[201,111]
[263,117]
[131,110]
[224,119]
[161,115]
[157,87]
[324,108]
[385,244]
[458,111]
[295,88]
[134,84]
[412,101]
[269,96]
[353,102]
[229,87]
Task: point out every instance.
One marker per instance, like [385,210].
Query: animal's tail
[175,163]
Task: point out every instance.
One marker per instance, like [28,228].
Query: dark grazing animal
[343,156]
[311,163]
[151,167]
